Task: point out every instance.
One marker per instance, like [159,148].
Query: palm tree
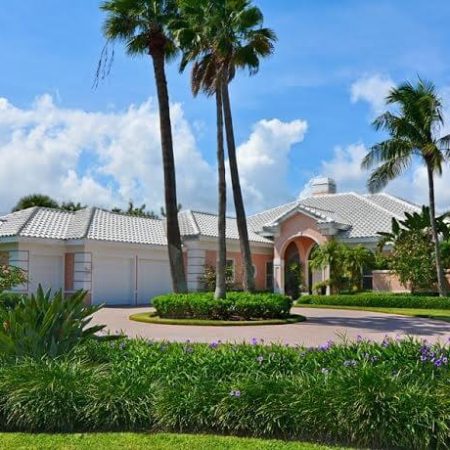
[144,27]
[207,76]
[35,200]
[414,133]
[228,35]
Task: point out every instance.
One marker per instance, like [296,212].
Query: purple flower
[254,341]
[326,346]
[188,349]
[260,359]
[235,393]
[438,362]
[373,359]
[214,344]
[359,338]
[423,358]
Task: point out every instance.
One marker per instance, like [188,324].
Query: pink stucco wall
[387,281]
[259,260]
[299,225]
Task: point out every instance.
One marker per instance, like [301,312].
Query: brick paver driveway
[322,325]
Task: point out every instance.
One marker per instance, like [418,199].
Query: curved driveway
[322,325]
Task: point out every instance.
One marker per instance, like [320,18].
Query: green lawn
[438,314]
[137,441]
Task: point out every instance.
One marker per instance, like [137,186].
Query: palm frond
[388,171]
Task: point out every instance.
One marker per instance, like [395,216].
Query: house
[122,259]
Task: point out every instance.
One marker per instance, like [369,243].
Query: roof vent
[323,185]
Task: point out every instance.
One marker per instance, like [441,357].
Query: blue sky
[332,65]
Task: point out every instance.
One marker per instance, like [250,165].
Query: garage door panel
[46,270]
[153,279]
[114,280]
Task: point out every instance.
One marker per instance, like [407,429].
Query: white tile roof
[108,226]
[195,223]
[89,223]
[356,216]
[364,216]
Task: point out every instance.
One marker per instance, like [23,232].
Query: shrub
[379,300]
[208,279]
[368,395]
[47,325]
[9,300]
[11,276]
[236,306]
[44,395]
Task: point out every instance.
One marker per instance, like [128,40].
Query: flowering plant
[11,276]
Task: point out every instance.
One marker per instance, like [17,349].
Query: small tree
[332,255]
[208,279]
[412,260]
[358,260]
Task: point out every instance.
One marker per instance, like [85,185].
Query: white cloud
[372,89]
[107,158]
[264,161]
[345,168]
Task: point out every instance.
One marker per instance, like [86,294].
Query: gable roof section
[357,216]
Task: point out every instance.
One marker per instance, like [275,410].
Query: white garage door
[153,279]
[114,280]
[46,270]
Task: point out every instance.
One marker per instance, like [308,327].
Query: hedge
[236,306]
[378,300]
[367,395]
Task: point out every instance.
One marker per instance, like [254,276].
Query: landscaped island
[238,308]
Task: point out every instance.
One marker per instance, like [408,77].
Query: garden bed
[155,319]
[389,395]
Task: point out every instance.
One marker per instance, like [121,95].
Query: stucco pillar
[195,268]
[327,273]
[278,275]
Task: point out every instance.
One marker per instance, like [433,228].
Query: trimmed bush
[378,300]
[237,306]
[368,395]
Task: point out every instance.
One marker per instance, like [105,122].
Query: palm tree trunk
[249,279]
[442,283]
[173,230]
[220,291]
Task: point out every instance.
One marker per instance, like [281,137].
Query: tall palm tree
[229,34]
[414,133]
[207,76]
[143,25]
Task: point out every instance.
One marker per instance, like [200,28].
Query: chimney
[323,185]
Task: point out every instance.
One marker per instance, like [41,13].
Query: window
[230,268]
[269,275]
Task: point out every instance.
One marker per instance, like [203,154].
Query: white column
[278,276]
[195,268]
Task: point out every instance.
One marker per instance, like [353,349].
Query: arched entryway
[297,275]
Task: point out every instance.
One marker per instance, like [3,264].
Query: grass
[137,441]
[436,314]
[153,318]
